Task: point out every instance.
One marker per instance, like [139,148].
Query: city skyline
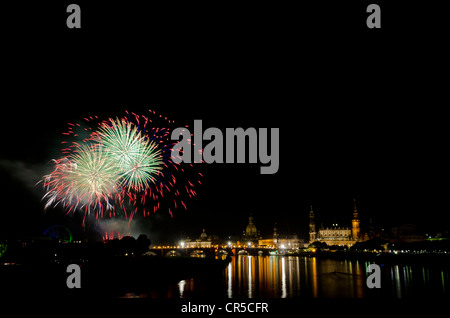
[196,218]
[368,228]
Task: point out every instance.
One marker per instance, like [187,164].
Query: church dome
[251,231]
[204,236]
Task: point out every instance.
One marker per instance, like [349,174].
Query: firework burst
[138,159]
[121,163]
[86,179]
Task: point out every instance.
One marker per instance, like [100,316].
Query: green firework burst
[138,159]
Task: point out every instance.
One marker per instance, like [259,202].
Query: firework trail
[121,165]
[109,236]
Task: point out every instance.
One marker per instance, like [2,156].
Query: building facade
[204,241]
[335,235]
[283,242]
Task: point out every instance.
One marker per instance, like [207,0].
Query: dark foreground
[115,286]
[104,278]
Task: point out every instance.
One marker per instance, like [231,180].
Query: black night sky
[361,113]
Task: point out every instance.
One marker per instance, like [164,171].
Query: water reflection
[293,276]
[181,285]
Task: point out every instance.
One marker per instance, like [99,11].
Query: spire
[355,210]
[311,215]
[355,222]
[312,226]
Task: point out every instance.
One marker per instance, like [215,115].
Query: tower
[275,235]
[312,226]
[355,222]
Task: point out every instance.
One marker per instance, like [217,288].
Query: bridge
[166,250]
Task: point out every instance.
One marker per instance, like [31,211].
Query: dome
[203,236]
[251,231]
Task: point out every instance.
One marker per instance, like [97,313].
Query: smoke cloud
[27,174]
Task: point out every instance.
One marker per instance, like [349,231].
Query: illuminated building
[290,243]
[278,241]
[202,242]
[251,234]
[336,235]
[271,242]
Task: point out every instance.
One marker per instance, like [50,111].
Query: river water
[295,276]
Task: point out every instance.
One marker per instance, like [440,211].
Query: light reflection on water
[294,276]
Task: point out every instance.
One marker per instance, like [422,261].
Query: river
[295,276]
